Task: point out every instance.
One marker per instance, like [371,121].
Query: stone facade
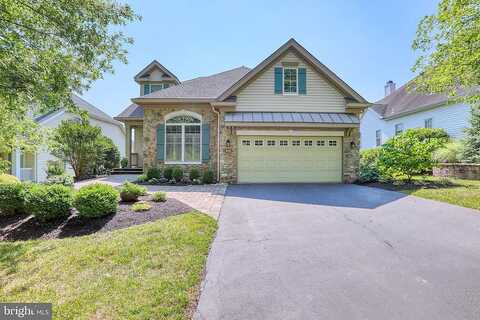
[351,155]
[457,170]
[155,116]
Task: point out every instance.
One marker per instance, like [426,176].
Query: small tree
[410,153]
[76,142]
[107,155]
[471,152]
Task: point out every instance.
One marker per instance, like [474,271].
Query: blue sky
[366,43]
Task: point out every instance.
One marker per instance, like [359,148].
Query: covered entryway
[275,159]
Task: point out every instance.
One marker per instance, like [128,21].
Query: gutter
[218,142]
[421,109]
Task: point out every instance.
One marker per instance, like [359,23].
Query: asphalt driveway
[341,252]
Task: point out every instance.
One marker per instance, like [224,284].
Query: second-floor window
[429,123]
[152,87]
[378,138]
[398,128]
[290,80]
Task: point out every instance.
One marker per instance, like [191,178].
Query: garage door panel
[289,159]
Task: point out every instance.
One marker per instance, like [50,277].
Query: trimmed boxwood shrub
[194,174]
[177,174]
[8,178]
[96,200]
[12,198]
[369,171]
[154,173]
[168,173]
[159,196]
[208,177]
[129,192]
[48,202]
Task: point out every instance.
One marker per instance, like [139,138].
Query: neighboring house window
[290,76]
[429,123]
[152,87]
[378,137]
[182,141]
[398,128]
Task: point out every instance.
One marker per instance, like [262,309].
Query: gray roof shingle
[292,117]
[132,111]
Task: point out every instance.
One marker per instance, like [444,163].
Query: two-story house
[289,119]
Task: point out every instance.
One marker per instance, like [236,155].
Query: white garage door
[289,159]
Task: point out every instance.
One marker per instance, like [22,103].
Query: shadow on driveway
[335,195]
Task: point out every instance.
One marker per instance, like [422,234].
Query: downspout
[218,142]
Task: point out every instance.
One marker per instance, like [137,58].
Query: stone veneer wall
[155,115]
[351,155]
[457,170]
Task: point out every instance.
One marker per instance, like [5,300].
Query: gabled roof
[132,112]
[404,101]
[202,88]
[308,57]
[154,64]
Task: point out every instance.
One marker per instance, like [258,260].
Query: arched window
[183,138]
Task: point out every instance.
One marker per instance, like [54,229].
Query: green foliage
[12,198]
[168,173]
[8,178]
[142,178]
[124,162]
[63,179]
[177,174]
[129,192]
[141,206]
[369,171]
[449,57]
[208,177]
[410,152]
[159,196]
[154,172]
[107,155]
[48,202]
[472,137]
[96,200]
[55,168]
[452,152]
[194,174]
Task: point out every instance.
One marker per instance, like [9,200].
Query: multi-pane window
[429,123]
[271,143]
[308,143]
[332,143]
[152,87]
[245,142]
[295,142]
[283,143]
[321,143]
[259,142]
[182,139]
[378,137]
[290,80]
[398,128]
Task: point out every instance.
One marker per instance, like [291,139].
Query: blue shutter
[278,80]
[302,81]
[146,88]
[161,142]
[205,142]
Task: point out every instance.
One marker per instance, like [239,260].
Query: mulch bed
[26,227]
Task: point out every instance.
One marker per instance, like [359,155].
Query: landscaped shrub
[124,162]
[96,200]
[452,152]
[369,171]
[8,178]
[177,174]
[410,152]
[141,206]
[64,179]
[168,173]
[12,198]
[129,192]
[159,196]
[48,202]
[142,178]
[208,177]
[55,168]
[154,173]
[194,174]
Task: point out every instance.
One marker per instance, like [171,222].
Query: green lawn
[465,193]
[150,271]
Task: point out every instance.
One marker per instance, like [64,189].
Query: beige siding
[321,96]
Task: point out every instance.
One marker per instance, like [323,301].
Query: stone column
[128,140]
[351,155]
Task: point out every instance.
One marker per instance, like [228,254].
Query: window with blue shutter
[205,142]
[302,81]
[161,142]
[278,80]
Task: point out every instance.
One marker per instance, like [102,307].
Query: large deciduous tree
[48,49]
[448,43]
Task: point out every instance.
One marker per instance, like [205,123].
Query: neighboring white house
[32,166]
[401,110]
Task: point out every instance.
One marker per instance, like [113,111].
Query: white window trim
[378,139]
[395,128]
[183,113]
[283,82]
[425,122]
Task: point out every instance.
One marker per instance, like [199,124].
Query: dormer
[155,77]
